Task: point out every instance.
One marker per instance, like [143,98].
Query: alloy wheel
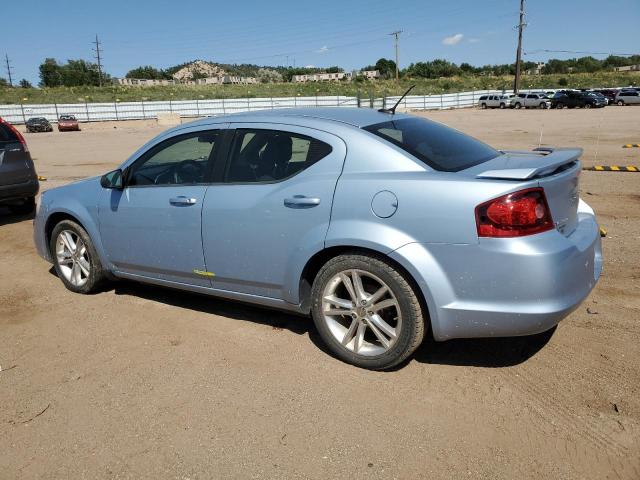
[361,312]
[73,258]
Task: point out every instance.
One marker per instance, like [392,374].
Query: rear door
[271,210]
[15,163]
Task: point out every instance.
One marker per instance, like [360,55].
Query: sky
[351,34]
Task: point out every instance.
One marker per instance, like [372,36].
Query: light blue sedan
[380,225]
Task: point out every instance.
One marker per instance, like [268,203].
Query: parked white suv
[493,101]
[530,100]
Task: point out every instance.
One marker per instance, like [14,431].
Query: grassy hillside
[365,89]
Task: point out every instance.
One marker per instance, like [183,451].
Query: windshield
[440,147]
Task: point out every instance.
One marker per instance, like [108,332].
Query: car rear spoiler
[524,165]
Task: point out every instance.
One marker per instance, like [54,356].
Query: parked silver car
[494,101]
[530,100]
[380,225]
[628,97]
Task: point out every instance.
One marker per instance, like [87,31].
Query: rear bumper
[18,191]
[506,287]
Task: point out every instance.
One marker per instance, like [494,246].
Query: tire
[483,106]
[560,106]
[543,105]
[25,208]
[518,105]
[90,283]
[364,347]
[620,103]
[502,106]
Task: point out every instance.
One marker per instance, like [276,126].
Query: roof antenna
[392,110]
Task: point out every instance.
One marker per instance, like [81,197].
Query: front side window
[272,155]
[182,160]
[440,147]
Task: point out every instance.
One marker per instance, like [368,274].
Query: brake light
[514,215]
[17,134]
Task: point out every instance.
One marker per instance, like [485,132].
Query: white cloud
[453,39]
[474,40]
[309,66]
[323,49]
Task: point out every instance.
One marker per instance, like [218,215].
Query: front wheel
[366,312]
[518,105]
[587,105]
[543,105]
[75,259]
[502,106]
[620,103]
[483,106]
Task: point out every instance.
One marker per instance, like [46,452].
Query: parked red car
[67,123]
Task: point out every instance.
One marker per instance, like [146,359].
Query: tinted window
[6,135]
[272,155]
[440,147]
[532,96]
[182,160]
[483,97]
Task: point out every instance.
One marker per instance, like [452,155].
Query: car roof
[357,117]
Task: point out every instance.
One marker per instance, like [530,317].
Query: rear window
[6,134]
[440,147]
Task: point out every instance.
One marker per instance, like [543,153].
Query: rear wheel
[366,311]
[75,259]
[587,105]
[620,103]
[24,208]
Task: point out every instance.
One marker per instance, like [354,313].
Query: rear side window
[483,97]
[440,147]
[6,135]
[272,155]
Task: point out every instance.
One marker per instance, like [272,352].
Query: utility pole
[9,68]
[97,57]
[396,34]
[521,25]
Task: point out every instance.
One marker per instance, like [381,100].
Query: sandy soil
[141,382]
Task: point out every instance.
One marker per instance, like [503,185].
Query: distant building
[321,77]
[369,74]
[224,80]
[144,82]
[628,68]
[537,70]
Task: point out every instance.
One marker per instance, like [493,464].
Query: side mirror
[112,180]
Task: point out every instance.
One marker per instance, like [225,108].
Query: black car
[38,124]
[18,179]
[574,98]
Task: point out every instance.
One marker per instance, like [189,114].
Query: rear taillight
[514,215]
[17,134]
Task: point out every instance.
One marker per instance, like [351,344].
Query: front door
[273,208]
[152,228]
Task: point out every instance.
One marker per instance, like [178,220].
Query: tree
[148,72]
[24,83]
[386,67]
[267,75]
[3,82]
[50,73]
[435,69]
[73,73]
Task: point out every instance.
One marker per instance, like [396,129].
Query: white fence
[95,112]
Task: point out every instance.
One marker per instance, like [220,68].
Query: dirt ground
[142,382]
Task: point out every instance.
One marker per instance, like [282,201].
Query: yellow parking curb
[603,232]
[613,168]
[42,179]
[631,145]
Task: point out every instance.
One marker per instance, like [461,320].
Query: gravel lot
[142,382]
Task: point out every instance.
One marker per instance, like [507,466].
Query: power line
[9,68]
[97,57]
[396,34]
[580,52]
[521,25]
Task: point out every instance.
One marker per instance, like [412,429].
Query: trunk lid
[556,170]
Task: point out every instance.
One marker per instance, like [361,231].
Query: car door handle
[182,201]
[300,201]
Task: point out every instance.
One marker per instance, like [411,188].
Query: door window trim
[216,157]
[234,130]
